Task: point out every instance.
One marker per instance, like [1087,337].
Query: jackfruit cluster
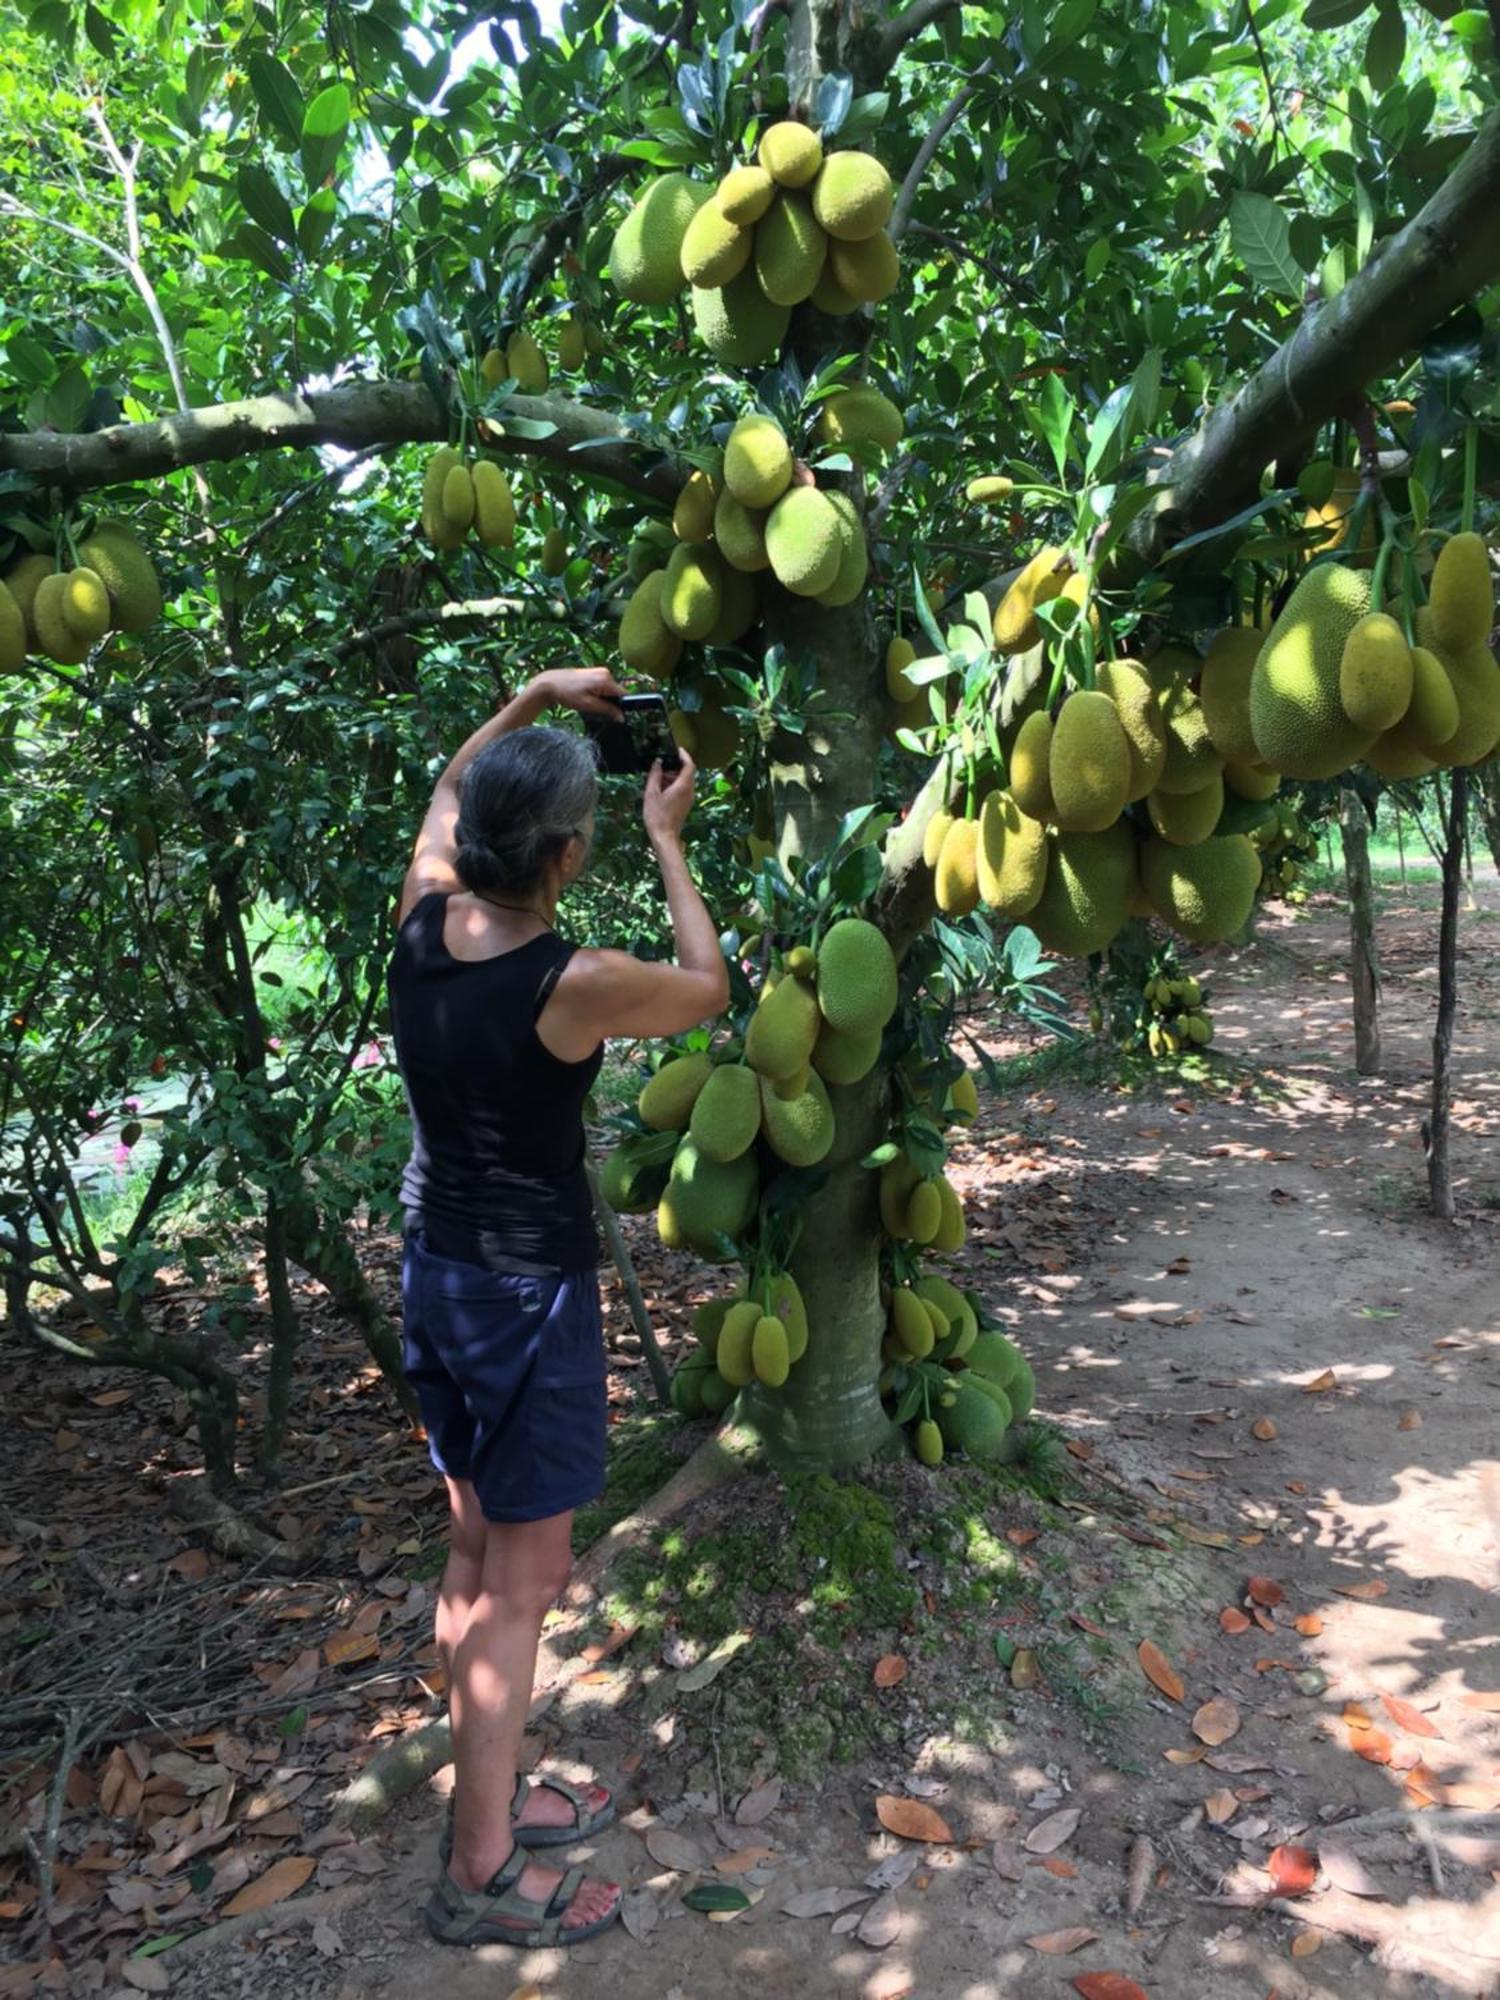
[757,1333]
[458,498]
[522,361]
[795,225]
[955,1388]
[61,614]
[1173,1017]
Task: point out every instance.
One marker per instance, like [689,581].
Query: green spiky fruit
[1140,718]
[666,1102]
[717,1394]
[738,324]
[768,1352]
[952,1230]
[555,552]
[799,1129]
[739,610]
[1204,892]
[1185,818]
[790,249]
[804,540]
[898,1180]
[910,1323]
[1031,766]
[1089,888]
[645,259]
[457,500]
[757,462]
[726,1113]
[927,1442]
[857,978]
[1011,858]
[1199,1029]
[830,297]
[787,1305]
[645,640]
[687,1384]
[1224,690]
[860,415]
[934,834]
[783,1030]
[735,1359]
[1251,781]
[435,523]
[973,1422]
[54,635]
[24,578]
[12,633]
[1476,682]
[1431,717]
[853,196]
[995,1393]
[526,362]
[1089,763]
[693,511]
[1461,599]
[956,877]
[740,535]
[707,1201]
[494,507]
[924,1211]
[802,961]
[868,271]
[840,1058]
[572,344]
[653,544]
[745,193]
[899,655]
[988,488]
[692,593]
[791,154]
[854,556]
[963,1099]
[1376,673]
[118,555]
[1300,726]
[1192,758]
[714,249]
[493,368]
[708,1323]
[85,604]
[1016,629]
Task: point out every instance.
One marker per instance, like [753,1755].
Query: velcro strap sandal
[499,1913]
[583,1826]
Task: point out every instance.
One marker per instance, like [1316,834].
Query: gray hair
[520,802]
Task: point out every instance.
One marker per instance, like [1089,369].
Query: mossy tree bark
[1364,960]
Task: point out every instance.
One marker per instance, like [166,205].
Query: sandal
[499,1913]
[585,1824]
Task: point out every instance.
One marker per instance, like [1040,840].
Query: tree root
[409,1762]
[280,1917]
[231,1534]
[1418,1937]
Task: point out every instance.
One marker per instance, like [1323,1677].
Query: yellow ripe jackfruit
[494,369]
[526,362]
[1393,756]
[1012,856]
[798,1129]
[1224,690]
[841,1058]
[1089,763]
[117,553]
[1461,600]
[744,195]
[1031,766]
[692,592]
[1192,758]
[714,249]
[494,509]
[55,637]
[739,608]
[1300,726]
[791,153]
[434,482]
[829,296]
[898,1178]
[934,834]
[667,1100]
[956,883]
[23,580]
[952,1231]
[740,534]
[12,633]
[572,344]
[868,271]
[987,488]
[1476,682]
[790,249]
[1185,818]
[857,979]
[734,1356]
[726,1113]
[1016,629]
[783,1030]
[963,1099]
[554,552]
[738,324]
[1431,716]
[1333,514]
[645,259]
[1205,892]
[805,541]
[786,1304]
[1086,898]
[85,604]
[1376,673]
[1251,781]
[457,500]
[757,461]
[860,415]
[909,1323]
[768,1352]
[693,512]
[899,655]
[924,1211]
[646,643]
[854,556]
[1140,717]
[853,196]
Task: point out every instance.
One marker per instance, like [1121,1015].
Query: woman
[499,1026]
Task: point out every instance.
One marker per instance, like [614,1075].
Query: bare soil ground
[1268,1363]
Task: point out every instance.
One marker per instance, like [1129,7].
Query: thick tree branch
[354,416]
[942,125]
[895,35]
[470,611]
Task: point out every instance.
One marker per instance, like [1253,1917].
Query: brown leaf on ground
[1159,1670]
[1221,1806]
[282,1879]
[1406,1717]
[1409,1420]
[191,1565]
[1293,1870]
[1364,1593]
[1264,1590]
[1057,1944]
[1108,1986]
[1194,1755]
[1233,1620]
[1356,1716]
[1474,1795]
[1006,1861]
[1025,1669]
[759,1803]
[347,1649]
[1487,1702]
[890,1669]
[1308,1625]
[1216,1722]
[1264,1429]
[673,1850]
[1020,1538]
[1320,1384]
[1056,1865]
[1050,1833]
[909,1819]
[1371,1744]
[1305,1943]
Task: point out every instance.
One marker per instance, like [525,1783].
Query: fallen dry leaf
[759,1803]
[1221,1806]
[1371,1744]
[1050,1833]
[1264,1429]
[909,1819]
[1233,1620]
[1025,1669]
[1474,1795]
[1364,1593]
[881,1923]
[1020,1538]
[1321,1383]
[1108,1986]
[1006,1861]
[1356,1716]
[1309,1624]
[1264,1590]
[1216,1722]
[1409,1420]
[191,1565]
[890,1669]
[1406,1717]
[672,1850]
[1057,1944]
[1347,1872]
[347,1649]
[1185,1756]
[1293,1870]
[822,1902]
[1159,1670]
[282,1879]
[1487,1701]
[1056,1865]
[1305,1943]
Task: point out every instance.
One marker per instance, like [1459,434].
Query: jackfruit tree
[1015,441]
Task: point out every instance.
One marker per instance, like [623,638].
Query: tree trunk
[1487,784]
[325,1253]
[1364,962]
[285,1339]
[1439,1170]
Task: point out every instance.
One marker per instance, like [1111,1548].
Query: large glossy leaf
[1261,236]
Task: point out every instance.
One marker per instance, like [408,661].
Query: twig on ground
[281,1916]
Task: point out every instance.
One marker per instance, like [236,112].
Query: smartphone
[630,747]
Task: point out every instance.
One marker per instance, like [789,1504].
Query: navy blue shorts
[509,1372]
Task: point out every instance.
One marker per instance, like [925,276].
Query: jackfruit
[1089,763]
[687,1384]
[952,1229]
[691,594]
[1198,1029]
[717,1394]
[739,608]
[829,296]
[1031,766]
[1375,673]
[708,1323]
[710,736]
[635,1173]
[757,462]
[435,523]
[854,556]
[798,1130]
[898,1180]
[1251,781]
[1016,628]
[726,1113]
[738,324]
[85,604]
[667,1099]
[12,633]
[910,1323]
[735,1358]
[790,153]
[1205,892]
[693,511]
[740,533]
[860,415]
[555,554]
[956,883]
[1186,818]
[493,368]
[55,637]
[972,1423]
[991,1389]
[804,539]
[117,553]
[1086,898]
[1192,758]
[1431,716]
[653,543]
[1140,717]
[934,834]
[572,345]
[963,1099]
[526,363]
[853,196]
[989,487]
[789,1087]
[705,1200]
[927,1442]
[1461,597]
[645,641]
[1224,690]
[866,272]
[790,249]
[494,508]
[1300,726]
[802,961]
[783,1030]
[645,259]
[457,501]
[933,1289]
[768,1352]
[1476,683]
[841,1058]
[997,1358]
[924,1211]
[857,978]
[1392,756]
[745,193]
[23,579]
[1332,514]
[714,249]
[786,1304]
[899,655]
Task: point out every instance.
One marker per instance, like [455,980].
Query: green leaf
[882,1155]
[924,615]
[155,1946]
[315,222]
[1005,1650]
[1053,418]
[1364,224]
[1386,49]
[291,1723]
[1333,13]
[866,116]
[325,125]
[1261,236]
[253,246]
[264,202]
[1097,258]
[1420,503]
[277,95]
[715,1896]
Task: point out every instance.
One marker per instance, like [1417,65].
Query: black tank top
[496,1173]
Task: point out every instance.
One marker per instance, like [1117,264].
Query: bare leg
[461,1577]
[523,1570]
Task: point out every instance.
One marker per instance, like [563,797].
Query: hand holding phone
[642,737]
[669,798]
